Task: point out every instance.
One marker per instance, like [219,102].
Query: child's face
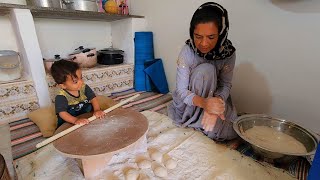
[73,83]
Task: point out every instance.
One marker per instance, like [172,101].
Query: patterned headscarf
[223,48]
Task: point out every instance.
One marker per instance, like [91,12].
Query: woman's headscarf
[223,48]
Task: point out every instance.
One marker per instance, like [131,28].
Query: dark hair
[62,68]
[204,15]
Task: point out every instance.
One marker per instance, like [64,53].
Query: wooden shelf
[54,13]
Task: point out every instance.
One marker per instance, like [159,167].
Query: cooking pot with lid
[48,62]
[85,57]
[10,66]
[110,56]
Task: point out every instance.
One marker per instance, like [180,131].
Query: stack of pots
[82,5]
[45,3]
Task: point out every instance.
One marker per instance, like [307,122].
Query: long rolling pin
[59,135]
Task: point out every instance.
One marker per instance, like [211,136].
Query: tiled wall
[103,80]
[17,99]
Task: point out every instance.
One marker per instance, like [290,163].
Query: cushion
[46,119]
[105,102]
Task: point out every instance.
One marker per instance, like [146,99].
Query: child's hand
[99,114]
[81,121]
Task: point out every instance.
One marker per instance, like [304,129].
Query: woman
[204,74]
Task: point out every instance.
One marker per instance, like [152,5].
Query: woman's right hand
[81,121]
[214,105]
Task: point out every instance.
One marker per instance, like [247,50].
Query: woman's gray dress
[205,78]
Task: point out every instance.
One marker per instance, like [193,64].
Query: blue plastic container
[143,44]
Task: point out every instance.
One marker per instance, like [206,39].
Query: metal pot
[45,3]
[48,62]
[10,66]
[85,57]
[82,5]
[110,56]
[20,2]
[303,135]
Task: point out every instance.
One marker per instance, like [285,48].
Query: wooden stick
[57,136]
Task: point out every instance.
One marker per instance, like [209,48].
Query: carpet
[25,134]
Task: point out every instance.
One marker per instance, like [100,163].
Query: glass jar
[10,66]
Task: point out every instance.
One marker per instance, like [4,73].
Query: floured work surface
[117,130]
[198,157]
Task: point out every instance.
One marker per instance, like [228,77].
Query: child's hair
[62,68]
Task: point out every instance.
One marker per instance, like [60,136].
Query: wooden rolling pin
[67,131]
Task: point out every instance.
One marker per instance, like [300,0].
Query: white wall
[7,36]
[60,36]
[63,36]
[277,58]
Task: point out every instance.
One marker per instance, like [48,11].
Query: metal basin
[306,137]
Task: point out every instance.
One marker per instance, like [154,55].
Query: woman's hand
[214,105]
[99,114]
[209,120]
[81,121]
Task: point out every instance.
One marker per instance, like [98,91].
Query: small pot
[110,56]
[85,57]
[45,3]
[48,62]
[10,66]
[81,5]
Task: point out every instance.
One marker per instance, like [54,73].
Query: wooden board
[119,129]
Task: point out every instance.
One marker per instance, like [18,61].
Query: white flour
[274,140]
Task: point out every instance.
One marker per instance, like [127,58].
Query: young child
[75,97]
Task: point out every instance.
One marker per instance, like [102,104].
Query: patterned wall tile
[17,110]
[102,79]
[16,91]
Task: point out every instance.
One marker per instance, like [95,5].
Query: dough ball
[144,164]
[132,174]
[157,156]
[143,177]
[170,164]
[160,172]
